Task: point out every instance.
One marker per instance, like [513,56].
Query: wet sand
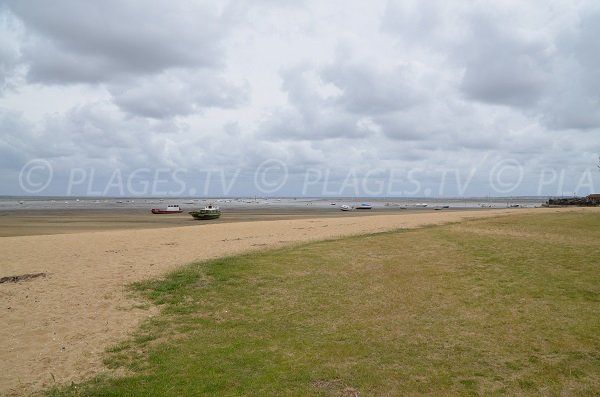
[63,221]
[55,328]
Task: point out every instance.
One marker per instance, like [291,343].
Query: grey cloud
[177,93]
[540,59]
[96,126]
[311,116]
[241,11]
[585,45]
[10,49]
[423,23]
[110,38]
[10,158]
[15,132]
[364,99]
[501,67]
[406,126]
[572,110]
[50,65]
[504,61]
[325,124]
[83,135]
[366,89]
[573,101]
[432,85]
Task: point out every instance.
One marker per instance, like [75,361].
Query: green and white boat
[209,212]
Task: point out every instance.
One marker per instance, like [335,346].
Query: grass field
[500,306]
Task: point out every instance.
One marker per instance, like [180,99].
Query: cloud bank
[434,91]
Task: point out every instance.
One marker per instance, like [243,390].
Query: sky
[300,98]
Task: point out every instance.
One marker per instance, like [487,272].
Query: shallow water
[33,203]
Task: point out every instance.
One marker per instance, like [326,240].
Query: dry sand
[55,328]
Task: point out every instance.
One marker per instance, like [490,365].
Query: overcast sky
[420,98]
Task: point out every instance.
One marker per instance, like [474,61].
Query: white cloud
[428,85]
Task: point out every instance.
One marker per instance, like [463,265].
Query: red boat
[171,209]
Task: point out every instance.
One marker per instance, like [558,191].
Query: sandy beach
[56,327]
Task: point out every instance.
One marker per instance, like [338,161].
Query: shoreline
[57,327]
[32,222]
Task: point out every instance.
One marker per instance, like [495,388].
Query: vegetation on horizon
[500,306]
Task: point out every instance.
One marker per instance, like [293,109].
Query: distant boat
[332,203]
[171,209]
[364,206]
[345,207]
[421,205]
[209,212]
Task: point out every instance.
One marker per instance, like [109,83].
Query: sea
[8,203]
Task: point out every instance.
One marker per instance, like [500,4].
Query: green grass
[486,307]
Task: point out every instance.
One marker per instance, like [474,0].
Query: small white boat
[345,207]
[421,205]
[171,209]
[364,206]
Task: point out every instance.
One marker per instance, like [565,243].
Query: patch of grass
[493,307]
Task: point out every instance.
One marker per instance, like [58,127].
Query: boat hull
[203,217]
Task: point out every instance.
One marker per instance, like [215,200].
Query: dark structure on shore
[588,201]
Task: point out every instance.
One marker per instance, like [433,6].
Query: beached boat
[364,206]
[209,212]
[421,205]
[171,209]
[345,207]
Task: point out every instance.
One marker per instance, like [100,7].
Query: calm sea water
[34,203]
